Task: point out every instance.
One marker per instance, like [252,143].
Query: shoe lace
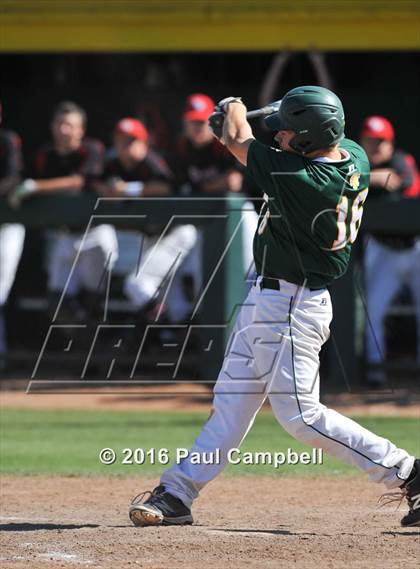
[142,496]
[392,497]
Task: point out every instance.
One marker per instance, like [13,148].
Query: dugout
[161,50]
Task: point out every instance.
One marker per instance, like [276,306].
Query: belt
[274,284]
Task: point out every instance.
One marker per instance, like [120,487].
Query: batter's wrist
[236,102]
[223,105]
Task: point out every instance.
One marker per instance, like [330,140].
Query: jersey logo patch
[355,181]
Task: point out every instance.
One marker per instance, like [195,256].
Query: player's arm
[237,132]
[51,185]
[407,170]
[62,183]
[91,166]
[115,187]
[385,178]
[153,188]
[161,181]
[157,188]
[231,181]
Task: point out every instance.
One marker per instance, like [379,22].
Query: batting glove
[222,106]
[21,192]
[216,121]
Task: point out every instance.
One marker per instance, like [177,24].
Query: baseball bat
[264,111]
[217,118]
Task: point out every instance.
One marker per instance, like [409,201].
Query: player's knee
[184,237]
[300,430]
[296,415]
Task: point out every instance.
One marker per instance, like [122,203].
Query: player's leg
[383,277]
[12,237]
[294,396]
[96,253]
[163,256]
[414,281]
[185,284]
[63,278]
[238,395]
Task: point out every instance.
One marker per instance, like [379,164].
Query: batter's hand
[222,105]
[216,121]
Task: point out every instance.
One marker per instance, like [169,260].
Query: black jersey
[193,166]
[405,166]
[152,168]
[86,161]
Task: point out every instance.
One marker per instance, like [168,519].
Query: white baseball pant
[386,270]
[178,305]
[12,237]
[81,260]
[274,353]
[161,257]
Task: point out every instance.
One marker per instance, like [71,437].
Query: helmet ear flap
[300,143]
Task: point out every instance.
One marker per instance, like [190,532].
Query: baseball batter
[314,187]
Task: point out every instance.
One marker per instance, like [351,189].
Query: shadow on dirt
[43,526]
[412,533]
[264,531]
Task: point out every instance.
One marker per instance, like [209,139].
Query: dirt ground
[190,397]
[240,522]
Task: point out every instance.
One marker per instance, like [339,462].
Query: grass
[68,442]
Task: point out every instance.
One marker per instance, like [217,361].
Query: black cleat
[412,493]
[160,508]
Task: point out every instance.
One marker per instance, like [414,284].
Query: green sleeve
[260,164]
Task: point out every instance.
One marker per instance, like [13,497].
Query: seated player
[77,261]
[135,170]
[391,261]
[203,166]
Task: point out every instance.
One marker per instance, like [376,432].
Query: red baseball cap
[132,127]
[378,127]
[198,107]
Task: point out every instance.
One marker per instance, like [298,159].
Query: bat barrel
[255,114]
[264,111]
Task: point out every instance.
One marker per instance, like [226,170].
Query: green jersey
[311,212]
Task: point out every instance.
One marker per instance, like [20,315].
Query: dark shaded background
[110,86]
[154,88]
